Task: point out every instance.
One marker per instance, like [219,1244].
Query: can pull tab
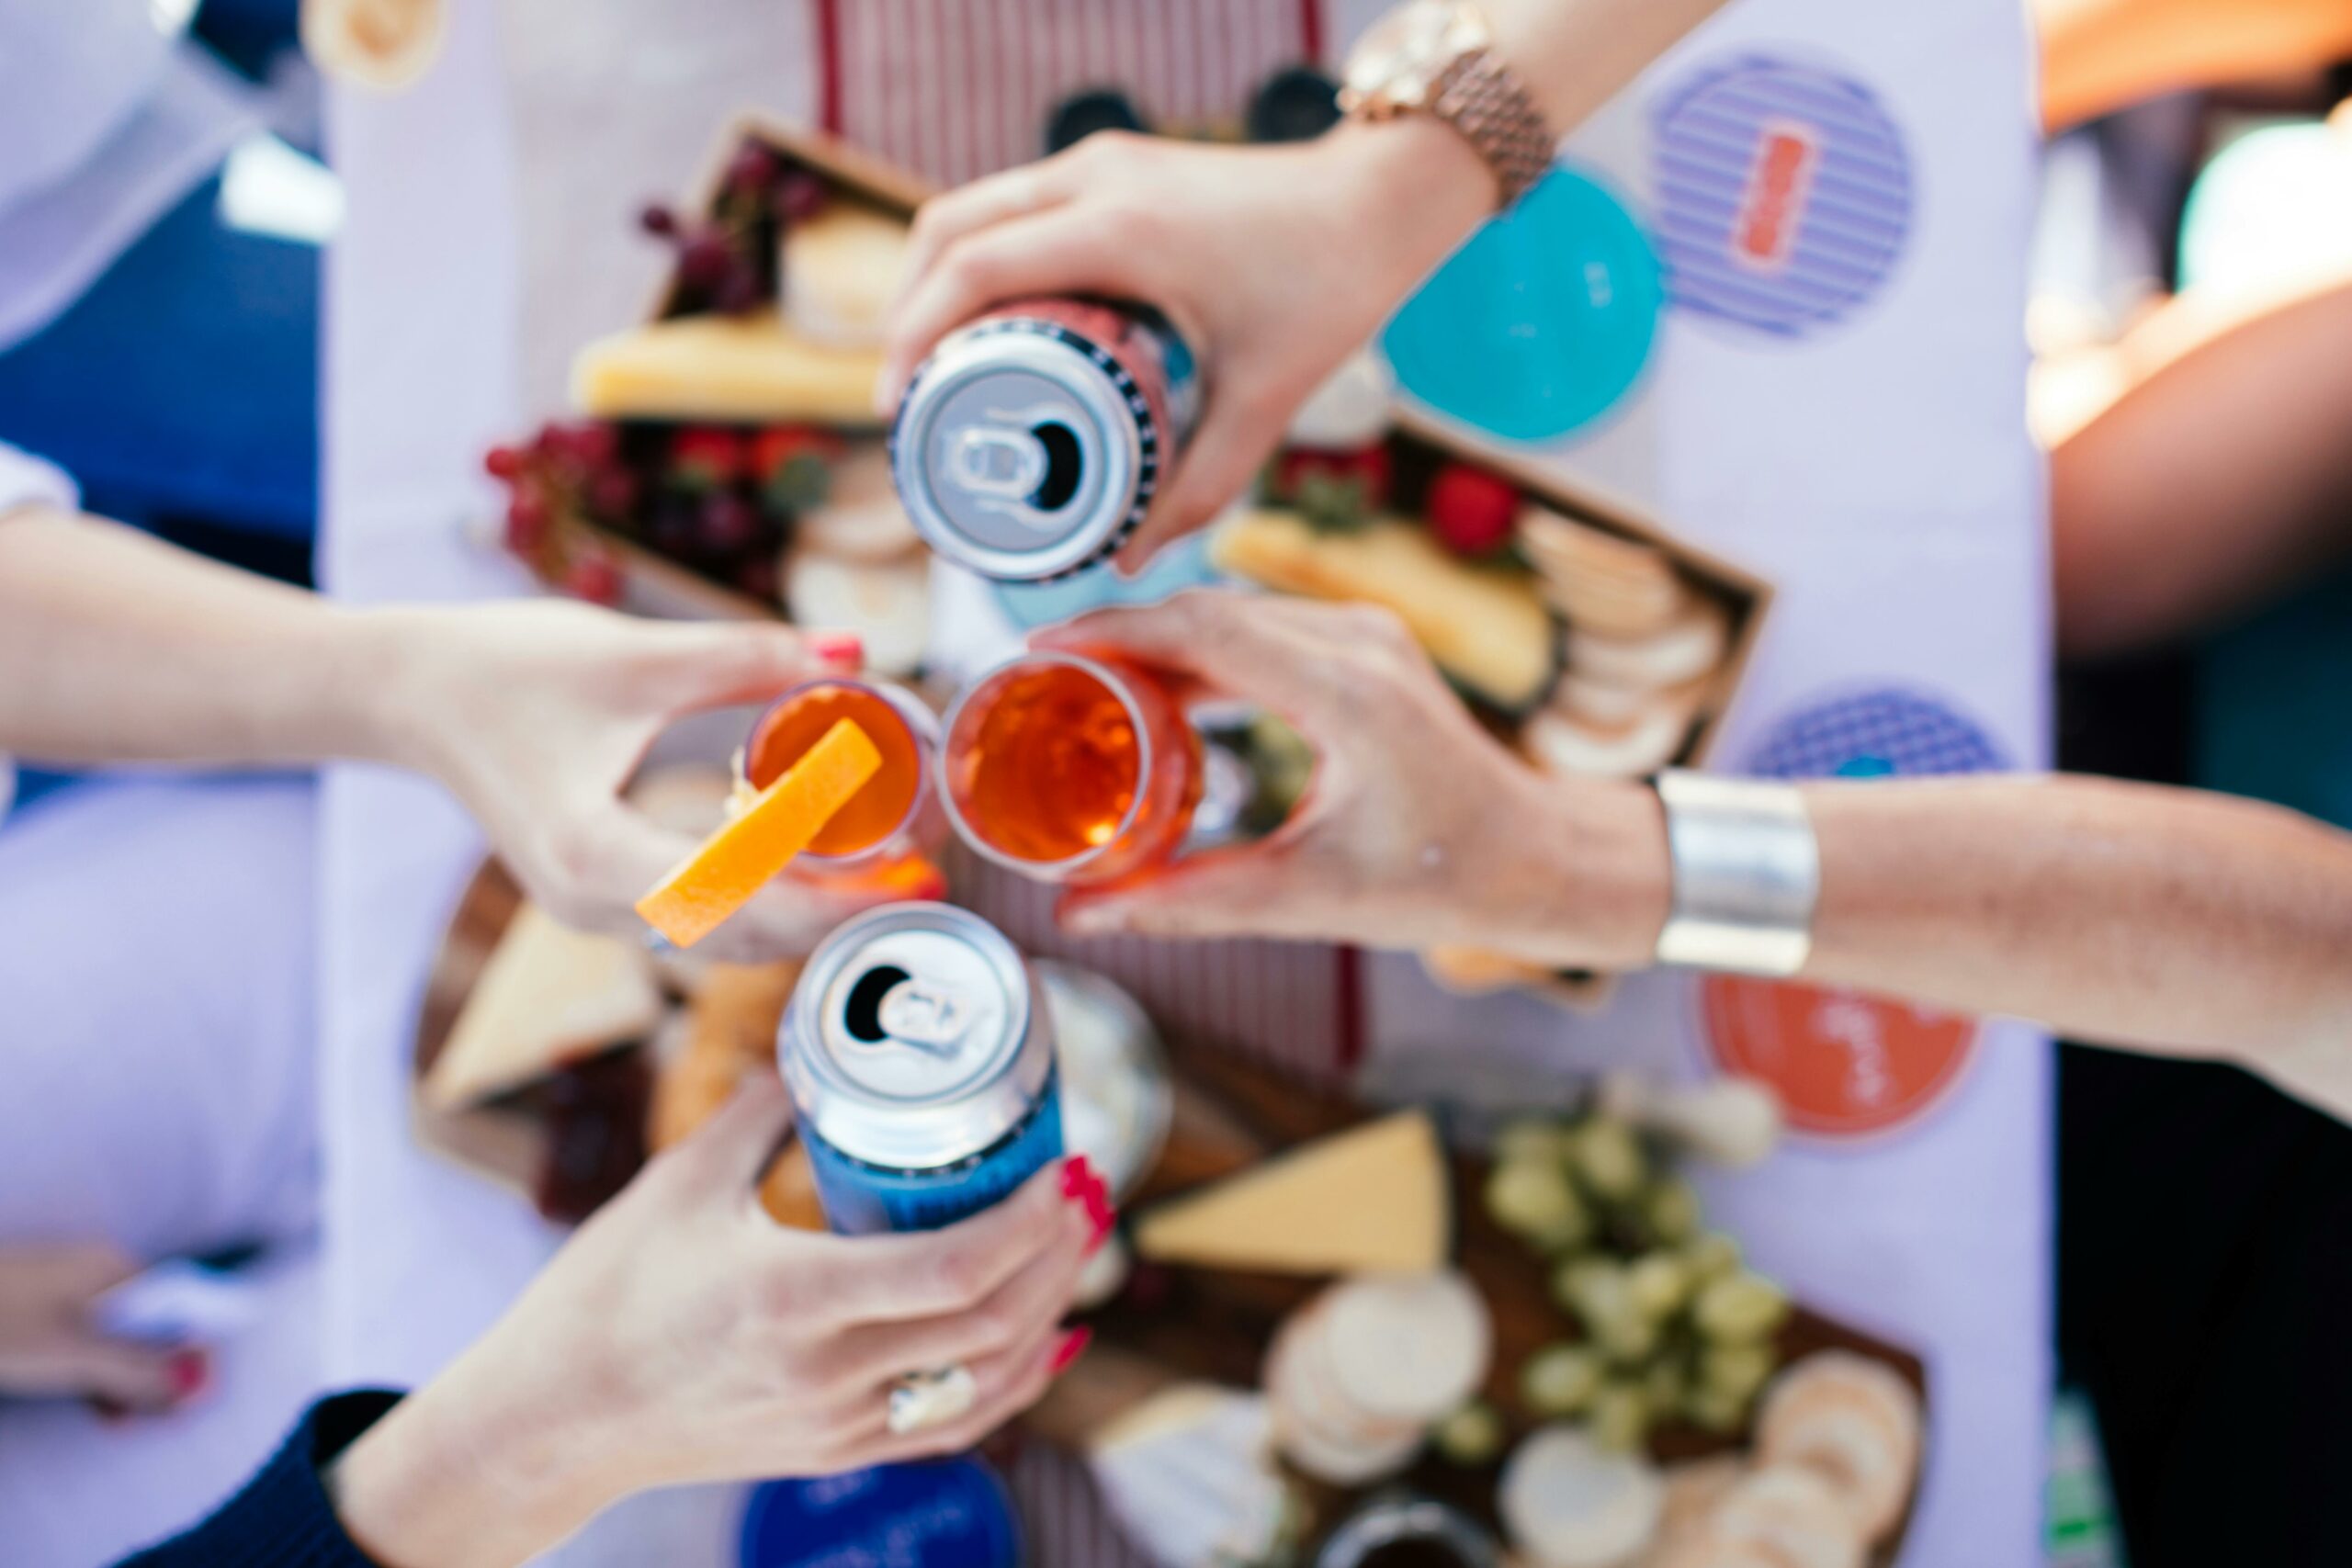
[1003,461]
[925,1017]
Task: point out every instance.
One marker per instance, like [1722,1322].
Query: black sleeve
[282,1519]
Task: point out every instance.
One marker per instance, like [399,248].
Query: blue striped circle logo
[1784,194]
[1875,734]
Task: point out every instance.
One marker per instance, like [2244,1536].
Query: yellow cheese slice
[738,368]
[549,995]
[1485,625]
[1373,1197]
[742,856]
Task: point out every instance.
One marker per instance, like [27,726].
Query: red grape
[751,170]
[800,196]
[728,522]
[527,521]
[704,261]
[613,493]
[758,575]
[739,291]
[658,220]
[504,462]
[594,576]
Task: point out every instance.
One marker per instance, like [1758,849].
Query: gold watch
[1437,57]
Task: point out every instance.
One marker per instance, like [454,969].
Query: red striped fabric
[958,88]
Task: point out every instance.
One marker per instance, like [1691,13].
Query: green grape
[1607,1156]
[1560,1380]
[1712,1409]
[1629,1338]
[1471,1435]
[1620,1416]
[1709,1255]
[1533,1200]
[1592,1288]
[1666,1384]
[1656,1283]
[1536,1138]
[1671,1211]
[1742,1307]
[1737,1371]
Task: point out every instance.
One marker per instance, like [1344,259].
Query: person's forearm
[2099,56]
[2111,911]
[1575,55]
[2164,918]
[115,647]
[466,1472]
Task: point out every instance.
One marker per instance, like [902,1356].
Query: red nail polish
[845,650]
[1074,1345]
[189,1371]
[1077,1175]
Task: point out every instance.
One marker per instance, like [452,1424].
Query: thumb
[732,1151]
[1234,440]
[1233,892]
[719,663]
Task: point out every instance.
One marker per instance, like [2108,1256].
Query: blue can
[937,1514]
[920,1054]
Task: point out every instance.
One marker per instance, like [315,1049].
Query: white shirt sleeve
[27,481]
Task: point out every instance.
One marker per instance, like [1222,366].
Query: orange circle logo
[1844,1064]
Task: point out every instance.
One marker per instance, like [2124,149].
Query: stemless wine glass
[897,817]
[1071,769]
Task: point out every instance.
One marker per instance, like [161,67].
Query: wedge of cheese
[1487,626]
[747,369]
[549,995]
[1373,1197]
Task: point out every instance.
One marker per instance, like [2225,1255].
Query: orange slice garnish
[746,855]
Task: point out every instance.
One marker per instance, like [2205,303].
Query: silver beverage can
[920,1054]
[1030,443]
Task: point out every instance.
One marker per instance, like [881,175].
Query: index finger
[924,1274]
[1229,639]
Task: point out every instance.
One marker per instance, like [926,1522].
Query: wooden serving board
[1178,1324]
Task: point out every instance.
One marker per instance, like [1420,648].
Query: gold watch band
[1480,97]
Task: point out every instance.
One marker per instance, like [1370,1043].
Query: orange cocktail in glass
[895,816]
[1071,769]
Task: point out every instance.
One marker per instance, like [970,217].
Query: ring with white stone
[929,1399]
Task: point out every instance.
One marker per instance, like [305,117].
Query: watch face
[1405,51]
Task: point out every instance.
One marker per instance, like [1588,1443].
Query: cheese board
[1184,1315]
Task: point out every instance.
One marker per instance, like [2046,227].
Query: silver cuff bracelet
[1746,872]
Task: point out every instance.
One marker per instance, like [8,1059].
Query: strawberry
[706,457]
[1470,511]
[1338,491]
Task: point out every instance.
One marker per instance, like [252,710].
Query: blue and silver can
[920,1054]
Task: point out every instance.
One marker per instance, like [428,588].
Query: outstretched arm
[2168,920]
[116,648]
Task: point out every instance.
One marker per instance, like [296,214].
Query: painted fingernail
[1074,1345]
[1078,1174]
[189,1370]
[844,651]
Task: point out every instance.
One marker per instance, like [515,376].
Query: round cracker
[1850,1450]
[841,270]
[1569,1502]
[1408,1346]
[1573,747]
[1791,1512]
[1687,649]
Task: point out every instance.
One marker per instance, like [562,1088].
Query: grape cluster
[718,499]
[727,260]
[1674,1327]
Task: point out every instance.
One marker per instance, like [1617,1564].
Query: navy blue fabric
[283,1517]
[184,382]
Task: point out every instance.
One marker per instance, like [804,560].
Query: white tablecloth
[1878,472]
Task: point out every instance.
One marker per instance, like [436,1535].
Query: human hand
[1275,263]
[537,714]
[682,1335]
[1419,828]
[51,1345]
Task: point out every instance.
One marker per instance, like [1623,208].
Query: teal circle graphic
[1542,324]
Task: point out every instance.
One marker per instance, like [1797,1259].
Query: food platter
[1171,1324]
